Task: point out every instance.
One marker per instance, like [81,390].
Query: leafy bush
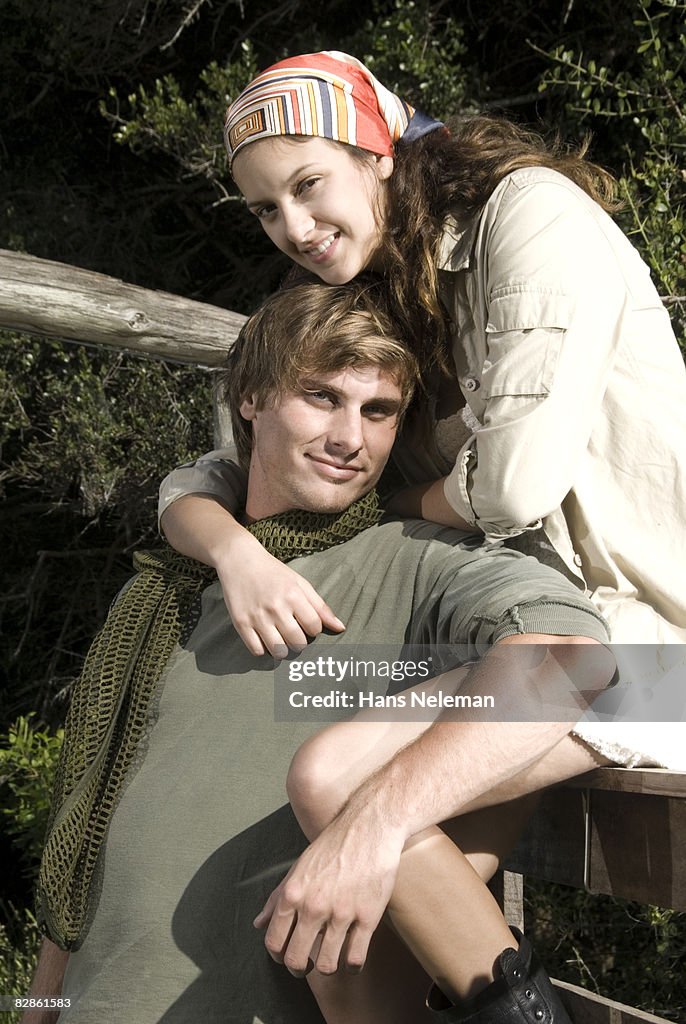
[85,440]
[625,951]
[28,757]
[20,941]
[641,104]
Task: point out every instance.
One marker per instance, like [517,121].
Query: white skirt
[637,744]
[647,726]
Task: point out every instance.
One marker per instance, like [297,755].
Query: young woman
[553,381]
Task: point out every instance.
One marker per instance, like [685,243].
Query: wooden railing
[58,301]
[616,831]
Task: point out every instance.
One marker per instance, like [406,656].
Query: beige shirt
[576,401]
[567,359]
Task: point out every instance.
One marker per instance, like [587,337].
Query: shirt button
[577,560]
[470,384]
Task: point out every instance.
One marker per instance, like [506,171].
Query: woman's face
[316,201]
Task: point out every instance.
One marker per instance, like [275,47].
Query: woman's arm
[557,293]
[428,501]
[272,607]
[216,474]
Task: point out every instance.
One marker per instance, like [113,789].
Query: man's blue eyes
[367,410]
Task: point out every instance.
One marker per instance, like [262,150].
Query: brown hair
[455,170]
[312,328]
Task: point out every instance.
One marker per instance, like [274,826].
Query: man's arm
[342,883]
[47,981]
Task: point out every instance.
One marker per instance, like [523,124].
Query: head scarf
[330,95]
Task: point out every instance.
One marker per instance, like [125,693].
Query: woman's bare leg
[392,987]
[390,990]
[440,905]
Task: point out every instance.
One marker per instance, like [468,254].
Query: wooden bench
[615,831]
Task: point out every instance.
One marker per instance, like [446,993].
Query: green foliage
[20,941]
[417,50]
[625,951]
[86,437]
[643,104]
[100,425]
[28,757]
[161,119]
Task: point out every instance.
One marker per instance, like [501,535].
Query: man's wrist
[373,809]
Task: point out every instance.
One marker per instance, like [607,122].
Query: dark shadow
[239,983]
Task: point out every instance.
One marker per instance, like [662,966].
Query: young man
[170,826]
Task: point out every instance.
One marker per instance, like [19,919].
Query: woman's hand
[272,607]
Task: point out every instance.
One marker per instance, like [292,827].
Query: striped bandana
[329,94]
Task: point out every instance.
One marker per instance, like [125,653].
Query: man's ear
[248,407]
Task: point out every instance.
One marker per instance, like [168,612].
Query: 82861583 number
[41,1002]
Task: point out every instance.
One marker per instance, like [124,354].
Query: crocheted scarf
[113,705]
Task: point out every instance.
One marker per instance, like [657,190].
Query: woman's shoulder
[540,184]
[539,203]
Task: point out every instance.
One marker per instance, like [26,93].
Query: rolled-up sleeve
[216,474]
[553,299]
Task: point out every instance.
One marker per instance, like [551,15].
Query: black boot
[523,994]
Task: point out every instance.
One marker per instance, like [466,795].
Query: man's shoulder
[390,539]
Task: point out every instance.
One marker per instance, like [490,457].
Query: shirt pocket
[524,334]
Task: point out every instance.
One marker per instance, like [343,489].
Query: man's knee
[313,784]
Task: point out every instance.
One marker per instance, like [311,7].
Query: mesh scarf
[113,701]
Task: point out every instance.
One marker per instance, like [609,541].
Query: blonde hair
[307,329]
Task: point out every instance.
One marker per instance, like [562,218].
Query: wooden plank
[222,428]
[637,847]
[552,845]
[588,1008]
[508,889]
[59,301]
[657,781]
[635,851]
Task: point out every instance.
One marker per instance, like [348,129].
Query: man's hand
[328,906]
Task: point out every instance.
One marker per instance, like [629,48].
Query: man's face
[323,446]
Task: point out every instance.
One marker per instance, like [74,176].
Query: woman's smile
[318,202]
[317,251]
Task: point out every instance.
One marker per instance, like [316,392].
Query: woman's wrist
[231,544]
